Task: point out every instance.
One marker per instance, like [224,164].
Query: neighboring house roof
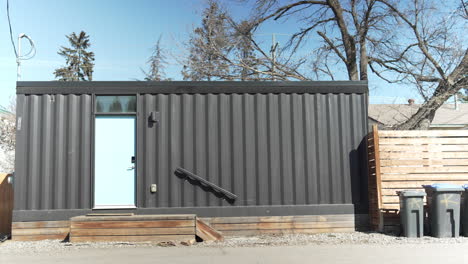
[392,114]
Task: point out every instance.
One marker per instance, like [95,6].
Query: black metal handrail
[195,179]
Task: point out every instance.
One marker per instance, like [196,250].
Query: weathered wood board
[6,204]
[306,224]
[42,230]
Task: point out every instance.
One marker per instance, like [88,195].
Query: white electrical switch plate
[153,188]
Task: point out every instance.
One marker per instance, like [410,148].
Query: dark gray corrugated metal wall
[53,162]
[269,149]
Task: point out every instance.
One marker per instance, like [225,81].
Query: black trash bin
[443,202]
[464,211]
[412,212]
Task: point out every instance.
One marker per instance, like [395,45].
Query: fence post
[375,182]
[6,204]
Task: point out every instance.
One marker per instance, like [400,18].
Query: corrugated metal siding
[269,149]
[53,162]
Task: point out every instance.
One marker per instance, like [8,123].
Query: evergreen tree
[157,63]
[209,45]
[79,61]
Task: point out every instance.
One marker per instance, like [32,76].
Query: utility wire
[9,24]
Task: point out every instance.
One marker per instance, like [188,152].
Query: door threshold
[110,207]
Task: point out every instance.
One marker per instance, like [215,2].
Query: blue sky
[122,34]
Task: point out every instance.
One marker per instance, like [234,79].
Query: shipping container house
[284,149]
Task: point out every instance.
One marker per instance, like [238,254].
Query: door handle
[131,168]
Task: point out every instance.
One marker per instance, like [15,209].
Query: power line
[19,57]
[11,32]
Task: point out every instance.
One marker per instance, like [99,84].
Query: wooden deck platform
[181,228]
[136,228]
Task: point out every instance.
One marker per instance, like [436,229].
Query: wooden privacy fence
[6,204]
[402,160]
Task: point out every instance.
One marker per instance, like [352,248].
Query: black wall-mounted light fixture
[154,117]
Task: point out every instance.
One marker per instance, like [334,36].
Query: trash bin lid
[411,193]
[444,187]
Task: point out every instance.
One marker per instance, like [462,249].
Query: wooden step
[206,232]
[41,230]
[133,228]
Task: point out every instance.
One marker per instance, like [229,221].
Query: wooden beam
[423,155]
[432,169]
[423,148]
[256,232]
[40,231]
[155,238]
[39,237]
[41,224]
[283,219]
[374,181]
[206,232]
[6,204]
[413,184]
[423,133]
[425,177]
[290,225]
[423,141]
[134,224]
[134,218]
[132,231]
[424,162]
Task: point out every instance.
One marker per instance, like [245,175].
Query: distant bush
[7,142]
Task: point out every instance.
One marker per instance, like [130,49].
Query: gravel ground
[358,238]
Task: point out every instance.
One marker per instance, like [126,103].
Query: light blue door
[114,172]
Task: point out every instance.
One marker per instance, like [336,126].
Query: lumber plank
[391,206]
[206,232]
[291,225]
[134,224]
[432,169]
[390,199]
[425,162]
[378,169]
[254,232]
[393,191]
[39,237]
[75,232]
[411,184]
[40,231]
[6,204]
[41,224]
[423,141]
[110,214]
[419,148]
[374,180]
[134,218]
[282,219]
[423,133]
[423,155]
[426,177]
[156,238]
